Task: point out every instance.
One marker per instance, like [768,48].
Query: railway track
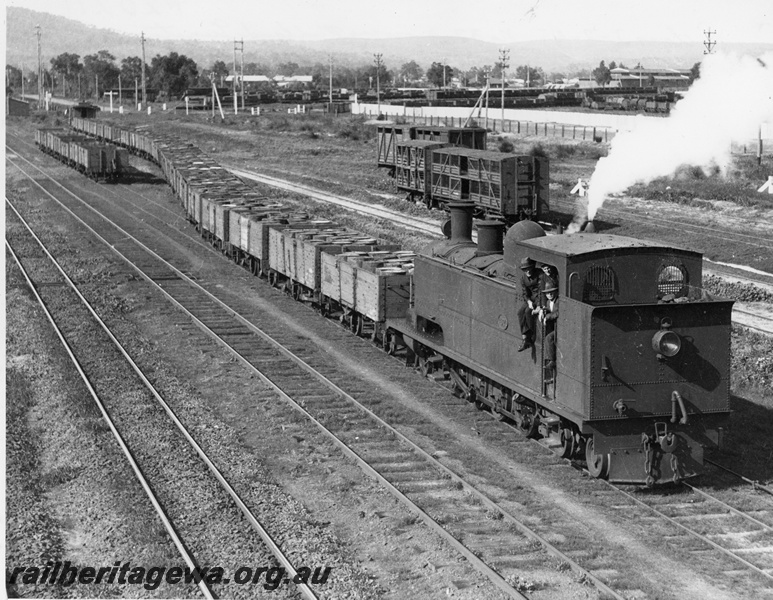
[494,540]
[350,427]
[85,335]
[738,533]
[701,524]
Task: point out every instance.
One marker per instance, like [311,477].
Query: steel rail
[305,590]
[767,322]
[695,534]
[493,575]
[206,592]
[740,237]
[754,483]
[726,506]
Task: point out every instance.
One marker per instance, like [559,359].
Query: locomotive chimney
[461,222]
[490,237]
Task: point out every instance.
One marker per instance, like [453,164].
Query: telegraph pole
[503,56]
[330,94]
[40,69]
[239,45]
[708,43]
[378,82]
[144,89]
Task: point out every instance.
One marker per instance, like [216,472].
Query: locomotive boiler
[640,383]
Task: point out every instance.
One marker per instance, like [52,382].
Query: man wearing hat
[548,314]
[530,284]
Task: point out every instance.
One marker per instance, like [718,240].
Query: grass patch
[694,186]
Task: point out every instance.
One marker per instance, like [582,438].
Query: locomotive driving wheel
[568,443]
[529,423]
[598,464]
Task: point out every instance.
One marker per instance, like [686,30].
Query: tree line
[70,76]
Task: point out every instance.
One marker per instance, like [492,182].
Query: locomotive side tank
[640,380]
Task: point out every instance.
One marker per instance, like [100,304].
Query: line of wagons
[438,165]
[640,378]
[97,160]
[345,273]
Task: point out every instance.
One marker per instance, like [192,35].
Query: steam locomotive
[640,380]
[641,376]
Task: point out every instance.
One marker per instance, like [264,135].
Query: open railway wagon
[388,137]
[640,381]
[99,161]
[357,278]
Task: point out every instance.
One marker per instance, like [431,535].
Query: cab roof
[580,244]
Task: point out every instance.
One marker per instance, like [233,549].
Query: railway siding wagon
[466,137]
[388,137]
[502,185]
[413,166]
[391,136]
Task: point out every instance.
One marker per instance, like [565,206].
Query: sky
[490,20]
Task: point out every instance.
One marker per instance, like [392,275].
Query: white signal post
[768,185]
[581,188]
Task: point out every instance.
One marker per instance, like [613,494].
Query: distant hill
[60,34]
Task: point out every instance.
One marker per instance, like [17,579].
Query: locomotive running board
[404,327]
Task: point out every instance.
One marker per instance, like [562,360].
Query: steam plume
[730,100]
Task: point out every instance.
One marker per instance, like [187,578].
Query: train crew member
[548,315]
[530,284]
[549,278]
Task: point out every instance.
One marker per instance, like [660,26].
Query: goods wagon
[93,159]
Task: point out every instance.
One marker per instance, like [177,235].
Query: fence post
[594,134]
[562,130]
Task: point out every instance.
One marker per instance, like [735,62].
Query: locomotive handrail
[677,397]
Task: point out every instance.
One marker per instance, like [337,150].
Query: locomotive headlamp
[666,343]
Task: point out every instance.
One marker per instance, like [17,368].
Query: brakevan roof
[495,155]
[577,244]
